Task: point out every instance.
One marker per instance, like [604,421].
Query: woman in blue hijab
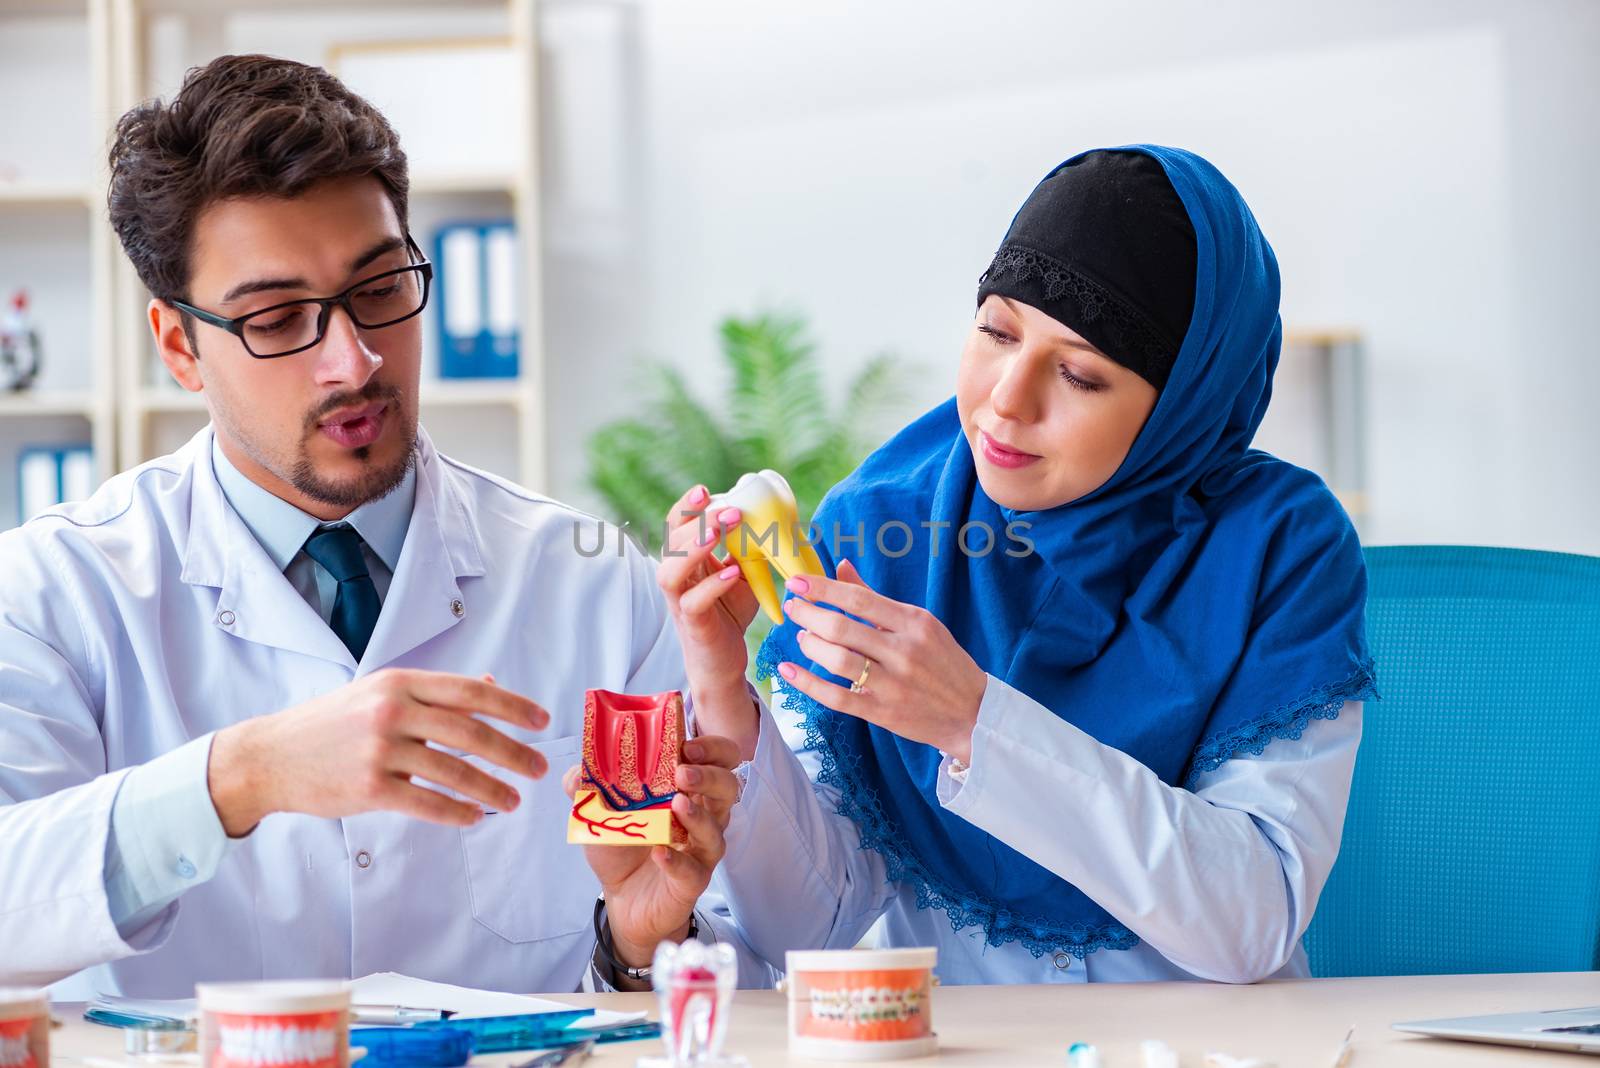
[1082,696]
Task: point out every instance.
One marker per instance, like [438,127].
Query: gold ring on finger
[861,680]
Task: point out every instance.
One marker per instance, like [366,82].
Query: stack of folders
[49,475]
[477,269]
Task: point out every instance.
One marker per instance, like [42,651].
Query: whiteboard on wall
[456,104]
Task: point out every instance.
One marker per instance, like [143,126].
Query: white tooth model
[770,533]
[694,986]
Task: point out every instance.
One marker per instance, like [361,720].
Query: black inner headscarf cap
[1105,246]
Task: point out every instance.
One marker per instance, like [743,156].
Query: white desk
[1295,1024]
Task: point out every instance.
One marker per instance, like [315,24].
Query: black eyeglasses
[297,325]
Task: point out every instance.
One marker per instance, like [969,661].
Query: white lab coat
[148,616]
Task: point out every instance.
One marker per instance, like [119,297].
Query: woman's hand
[921,684]
[651,890]
[713,606]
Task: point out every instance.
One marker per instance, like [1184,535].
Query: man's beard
[373,482]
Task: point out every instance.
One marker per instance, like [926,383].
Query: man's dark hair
[239,126]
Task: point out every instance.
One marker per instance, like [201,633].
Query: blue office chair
[1472,842]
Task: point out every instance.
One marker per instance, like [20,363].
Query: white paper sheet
[179,1009]
[391,988]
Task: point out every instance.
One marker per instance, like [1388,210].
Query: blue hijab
[1204,601]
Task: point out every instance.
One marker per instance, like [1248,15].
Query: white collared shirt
[136,624]
[164,807]
[282,529]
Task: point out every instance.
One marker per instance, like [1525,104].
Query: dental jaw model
[24,1028]
[274,1024]
[770,536]
[694,985]
[632,744]
[860,1004]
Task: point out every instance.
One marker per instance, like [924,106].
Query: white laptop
[1573,1030]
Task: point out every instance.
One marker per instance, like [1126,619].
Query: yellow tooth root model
[770,536]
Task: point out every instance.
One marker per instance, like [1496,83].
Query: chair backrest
[1472,842]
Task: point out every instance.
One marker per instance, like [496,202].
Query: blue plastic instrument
[410,1047]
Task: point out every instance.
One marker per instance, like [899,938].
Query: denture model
[769,533]
[860,1004]
[24,1028]
[274,1024]
[632,744]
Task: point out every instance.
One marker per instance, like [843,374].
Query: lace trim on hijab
[1000,925]
[1133,341]
[1286,721]
[861,807]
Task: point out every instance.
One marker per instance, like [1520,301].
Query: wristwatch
[605,952]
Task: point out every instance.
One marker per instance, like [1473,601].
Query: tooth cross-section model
[632,744]
[769,533]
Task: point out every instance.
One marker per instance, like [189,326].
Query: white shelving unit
[1318,415]
[67,211]
[44,404]
[127,406]
[24,195]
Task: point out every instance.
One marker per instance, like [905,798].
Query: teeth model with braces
[861,1004]
[873,1004]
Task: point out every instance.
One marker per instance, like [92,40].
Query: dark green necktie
[355,608]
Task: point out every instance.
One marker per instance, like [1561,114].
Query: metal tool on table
[553,1058]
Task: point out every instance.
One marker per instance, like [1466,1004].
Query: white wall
[1422,170]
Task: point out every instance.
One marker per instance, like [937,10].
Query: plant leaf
[777,416]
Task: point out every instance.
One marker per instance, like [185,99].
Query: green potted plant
[775,414]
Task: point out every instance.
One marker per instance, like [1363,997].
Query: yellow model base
[592,823]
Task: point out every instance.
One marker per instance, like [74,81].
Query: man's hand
[651,890]
[358,748]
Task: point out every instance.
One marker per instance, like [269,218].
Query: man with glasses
[286,702]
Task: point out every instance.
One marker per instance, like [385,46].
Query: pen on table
[1341,1056]
[394,1014]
